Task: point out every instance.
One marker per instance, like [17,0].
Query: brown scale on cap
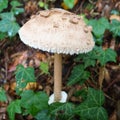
[74,20]
[45,13]
[88,29]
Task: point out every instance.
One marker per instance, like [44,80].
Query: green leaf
[78,75]
[99,26]
[10,27]
[15,3]
[41,4]
[44,67]
[62,110]
[34,102]
[69,3]
[97,53]
[7,16]
[115,12]
[3,97]
[96,97]
[17,11]
[82,93]
[8,24]
[14,29]
[15,7]
[99,41]
[2,35]
[3,4]
[115,28]
[106,55]
[89,59]
[91,108]
[43,115]
[24,75]
[14,107]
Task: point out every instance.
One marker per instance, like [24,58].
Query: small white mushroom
[57,31]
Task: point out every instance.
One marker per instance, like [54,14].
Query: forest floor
[14,52]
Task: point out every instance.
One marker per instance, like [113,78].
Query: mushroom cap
[57,31]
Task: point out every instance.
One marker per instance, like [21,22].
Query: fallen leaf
[18,58]
[116,17]
[106,75]
[101,76]
[112,44]
[29,86]
[113,116]
[31,7]
[38,57]
[48,89]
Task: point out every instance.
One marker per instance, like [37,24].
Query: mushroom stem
[57,77]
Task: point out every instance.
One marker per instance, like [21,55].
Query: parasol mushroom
[61,32]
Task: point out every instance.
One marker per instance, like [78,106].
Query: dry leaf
[99,6]
[18,58]
[101,76]
[106,75]
[29,86]
[112,44]
[13,86]
[113,116]
[31,7]
[118,110]
[48,89]
[38,57]
[116,17]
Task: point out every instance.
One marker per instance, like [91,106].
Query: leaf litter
[18,53]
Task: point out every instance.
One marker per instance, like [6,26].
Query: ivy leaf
[89,59]
[69,3]
[15,3]
[14,29]
[99,26]
[78,75]
[82,93]
[99,41]
[43,115]
[114,12]
[2,35]
[15,7]
[106,55]
[24,75]
[10,27]
[8,24]
[14,107]
[44,67]
[34,102]
[7,16]
[3,4]
[91,108]
[17,11]
[3,97]
[115,28]
[97,53]
[62,110]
